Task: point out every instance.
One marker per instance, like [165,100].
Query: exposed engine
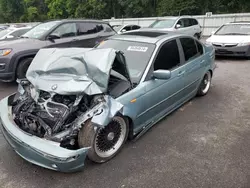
[59,117]
[53,116]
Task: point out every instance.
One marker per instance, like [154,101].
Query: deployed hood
[229,39]
[75,70]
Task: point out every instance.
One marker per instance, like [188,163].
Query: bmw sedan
[78,103]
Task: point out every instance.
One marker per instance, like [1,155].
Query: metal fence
[208,23]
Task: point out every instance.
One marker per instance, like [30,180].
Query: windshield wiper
[235,34]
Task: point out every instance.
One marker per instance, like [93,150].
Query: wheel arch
[131,126]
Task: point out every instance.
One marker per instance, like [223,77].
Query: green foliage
[39,10]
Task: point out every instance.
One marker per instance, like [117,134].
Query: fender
[16,58]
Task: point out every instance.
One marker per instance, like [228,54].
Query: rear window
[189,48]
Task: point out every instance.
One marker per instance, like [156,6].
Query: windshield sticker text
[137,48]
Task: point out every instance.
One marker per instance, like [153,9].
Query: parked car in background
[231,39]
[184,24]
[86,102]
[125,28]
[13,32]
[2,27]
[16,55]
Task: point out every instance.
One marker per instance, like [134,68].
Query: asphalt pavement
[203,144]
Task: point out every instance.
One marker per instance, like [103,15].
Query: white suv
[184,24]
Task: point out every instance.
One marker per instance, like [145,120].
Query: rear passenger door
[194,64]
[87,35]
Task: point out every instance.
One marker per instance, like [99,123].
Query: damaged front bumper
[38,151]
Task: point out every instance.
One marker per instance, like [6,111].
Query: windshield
[137,55]
[5,32]
[117,27]
[40,30]
[163,23]
[234,29]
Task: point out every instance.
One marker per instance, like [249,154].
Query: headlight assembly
[5,52]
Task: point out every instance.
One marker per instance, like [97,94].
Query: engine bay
[59,117]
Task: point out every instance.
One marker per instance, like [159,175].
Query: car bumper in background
[38,151]
[241,51]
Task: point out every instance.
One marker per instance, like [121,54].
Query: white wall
[208,24]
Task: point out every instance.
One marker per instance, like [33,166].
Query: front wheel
[105,142]
[23,67]
[205,84]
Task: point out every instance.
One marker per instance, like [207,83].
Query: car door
[194,64]
[62,36]
[88,35]
[161,96]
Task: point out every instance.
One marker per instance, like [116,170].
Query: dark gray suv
[16,55]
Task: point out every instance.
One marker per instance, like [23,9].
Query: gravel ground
[203,144]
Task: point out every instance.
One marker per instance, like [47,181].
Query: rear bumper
[240,51]
[39,151]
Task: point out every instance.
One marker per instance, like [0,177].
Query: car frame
[16,55]
[14,32]
[231,44]
[126,28]
[157,93]
[184,24]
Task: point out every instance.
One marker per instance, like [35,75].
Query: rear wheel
[23,67]
[105,142]
[205,84]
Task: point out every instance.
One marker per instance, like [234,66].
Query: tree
[11,10]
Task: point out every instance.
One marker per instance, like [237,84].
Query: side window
[107,28]
[189,48]
[194,22]
[65,30]
[87,28]
[187,22]
[127,28]
[168,56]
[134,27]
[181,23]
[99,27]
[200,48]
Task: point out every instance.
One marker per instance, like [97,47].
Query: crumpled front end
[43,119]
[42,152]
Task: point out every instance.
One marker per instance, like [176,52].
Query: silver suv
[184,24]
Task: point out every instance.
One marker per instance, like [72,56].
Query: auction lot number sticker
[137,48]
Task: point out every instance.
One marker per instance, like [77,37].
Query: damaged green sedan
[78,103]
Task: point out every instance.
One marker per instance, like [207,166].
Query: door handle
[181,73]
[203,62]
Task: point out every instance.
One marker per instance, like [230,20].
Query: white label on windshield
[137,48]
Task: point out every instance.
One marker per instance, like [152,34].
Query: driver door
[66,34]
[161,96]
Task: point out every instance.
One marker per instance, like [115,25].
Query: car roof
[239,22]
[176,17]
[78,20]
[145,35]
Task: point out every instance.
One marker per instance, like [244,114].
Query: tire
[205,84]
[105,142]
[23,67]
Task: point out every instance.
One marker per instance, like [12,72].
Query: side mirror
[10,37]
[178,26]
[162,74]
[124,30]
[53,37]
[213,32]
